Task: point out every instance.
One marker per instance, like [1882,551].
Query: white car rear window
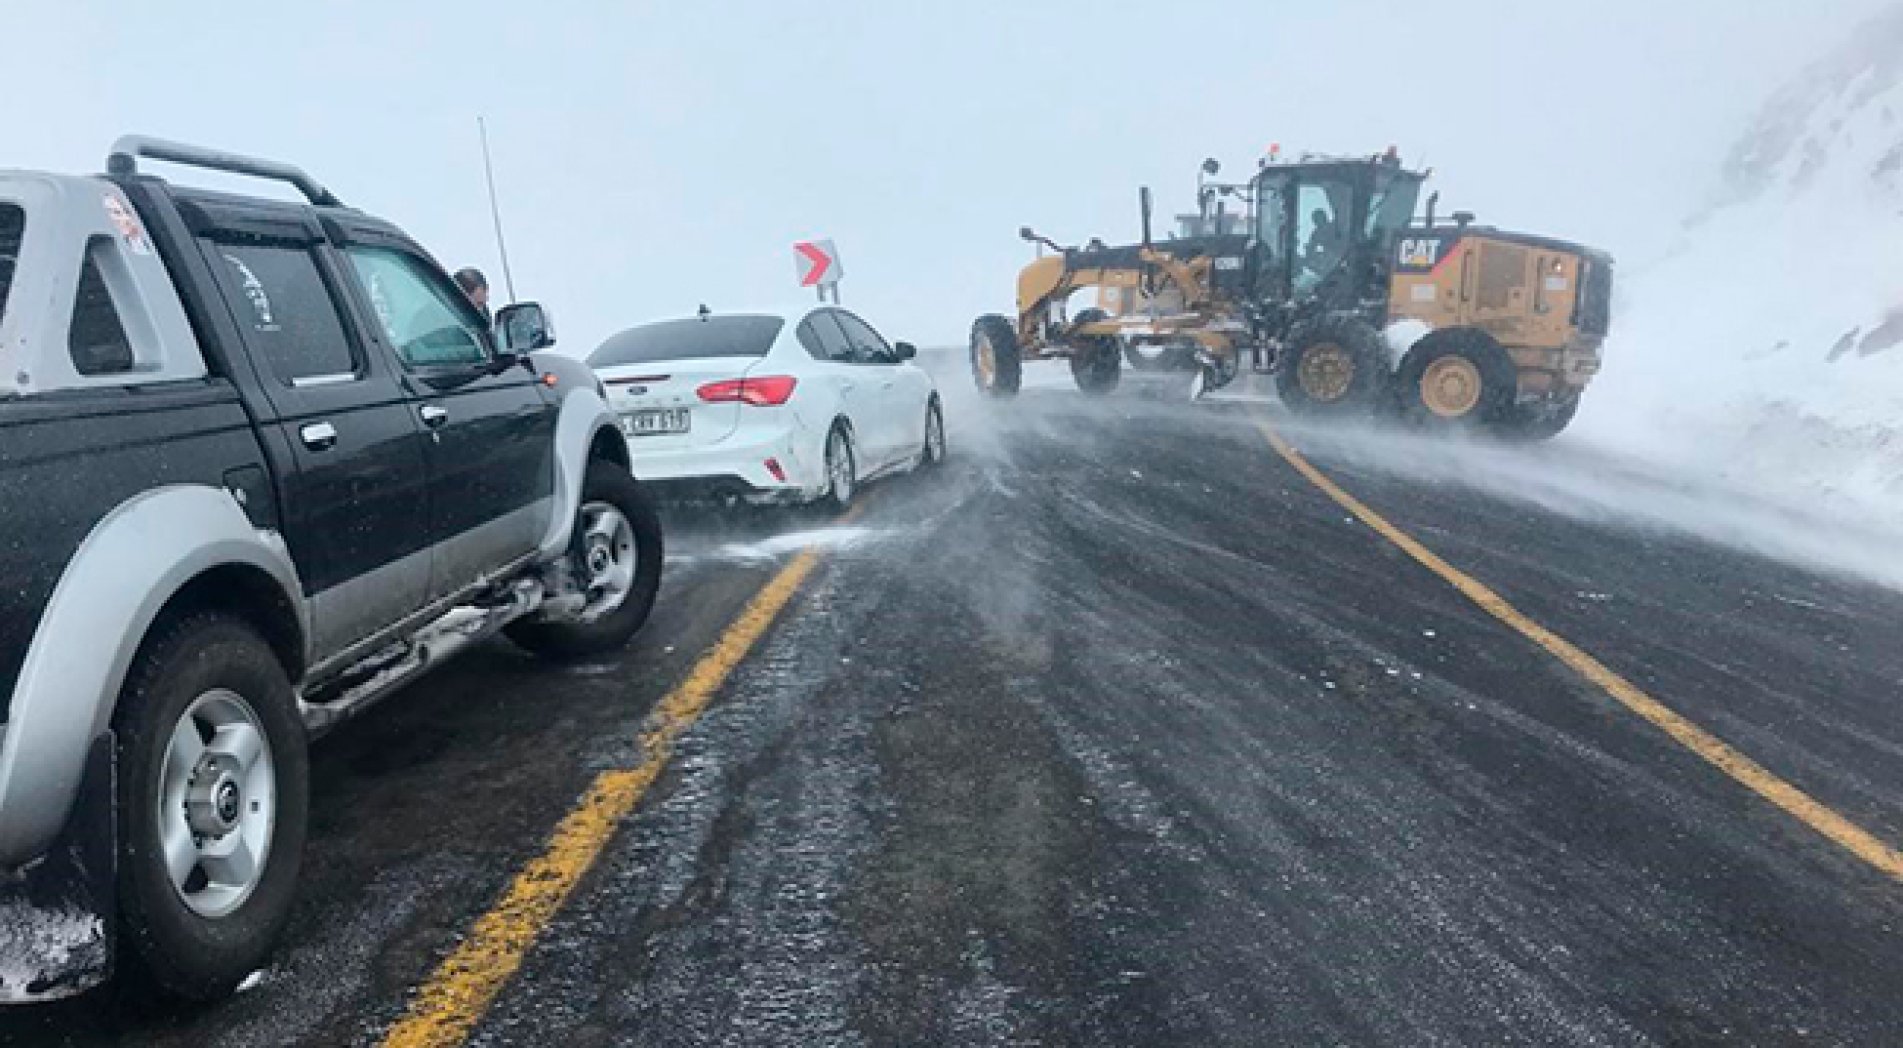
[739,335]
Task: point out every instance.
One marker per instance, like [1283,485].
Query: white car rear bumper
[737,466]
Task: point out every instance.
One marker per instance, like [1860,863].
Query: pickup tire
[615,550]
[212,762]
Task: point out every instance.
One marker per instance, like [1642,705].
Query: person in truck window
[476,286]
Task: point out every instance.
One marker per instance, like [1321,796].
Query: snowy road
[1121,730]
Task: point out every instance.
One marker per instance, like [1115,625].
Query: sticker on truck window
[254,292]
[128,226]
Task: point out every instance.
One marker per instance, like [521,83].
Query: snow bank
[1766,349]
[48,953]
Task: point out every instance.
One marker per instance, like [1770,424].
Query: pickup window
[12,229]
[419,315]
[287,311]
[96,338]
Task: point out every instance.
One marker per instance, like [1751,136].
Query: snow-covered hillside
[1767,347]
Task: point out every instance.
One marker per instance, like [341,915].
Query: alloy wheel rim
[608,558]
[217,803]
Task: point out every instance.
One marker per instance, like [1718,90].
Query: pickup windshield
[12,228]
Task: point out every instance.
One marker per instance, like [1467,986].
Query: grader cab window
[1272,248]
[1391,207]
[1323,213]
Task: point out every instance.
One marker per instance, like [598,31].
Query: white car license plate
[656,421]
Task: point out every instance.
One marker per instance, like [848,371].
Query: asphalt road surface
[1119,729]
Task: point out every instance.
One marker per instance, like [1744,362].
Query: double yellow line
[447,1007]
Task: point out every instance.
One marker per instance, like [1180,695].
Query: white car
[772,406]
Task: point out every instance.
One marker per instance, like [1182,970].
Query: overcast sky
[655,156]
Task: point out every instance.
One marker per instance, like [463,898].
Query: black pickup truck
[261,464]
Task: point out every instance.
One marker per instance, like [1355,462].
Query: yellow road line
[1805,808]
[447,1006]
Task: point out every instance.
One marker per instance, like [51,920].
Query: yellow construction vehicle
[1325,271]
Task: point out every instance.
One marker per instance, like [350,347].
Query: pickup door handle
[319,436]
[433,416]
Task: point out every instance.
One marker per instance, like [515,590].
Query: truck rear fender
[189,541]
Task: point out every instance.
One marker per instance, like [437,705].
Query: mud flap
[56,913]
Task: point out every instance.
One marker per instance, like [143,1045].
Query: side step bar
[379,676]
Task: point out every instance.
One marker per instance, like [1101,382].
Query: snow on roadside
[48,948]
[1767,349]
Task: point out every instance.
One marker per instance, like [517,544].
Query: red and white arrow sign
[817,263]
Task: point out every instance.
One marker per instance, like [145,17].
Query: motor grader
[1331,285]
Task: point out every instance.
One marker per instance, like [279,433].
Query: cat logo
[1420,252]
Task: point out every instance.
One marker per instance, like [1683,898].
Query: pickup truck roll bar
[123,160]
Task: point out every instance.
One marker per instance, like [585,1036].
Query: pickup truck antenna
[495,212]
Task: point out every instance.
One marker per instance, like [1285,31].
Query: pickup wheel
[213,799]
[615,558]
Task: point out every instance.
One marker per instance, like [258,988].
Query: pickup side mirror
[524,327]
[905,350]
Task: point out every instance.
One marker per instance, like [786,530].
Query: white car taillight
[767,391]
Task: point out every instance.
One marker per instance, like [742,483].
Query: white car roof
[789,311]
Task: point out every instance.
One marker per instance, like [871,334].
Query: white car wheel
[934,452]
[841,470]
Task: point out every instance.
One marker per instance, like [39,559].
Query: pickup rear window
[287,312]
[740,335]
[12,229]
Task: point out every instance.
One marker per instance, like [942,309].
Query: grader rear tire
[1456,378]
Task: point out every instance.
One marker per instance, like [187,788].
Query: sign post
[816,262]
